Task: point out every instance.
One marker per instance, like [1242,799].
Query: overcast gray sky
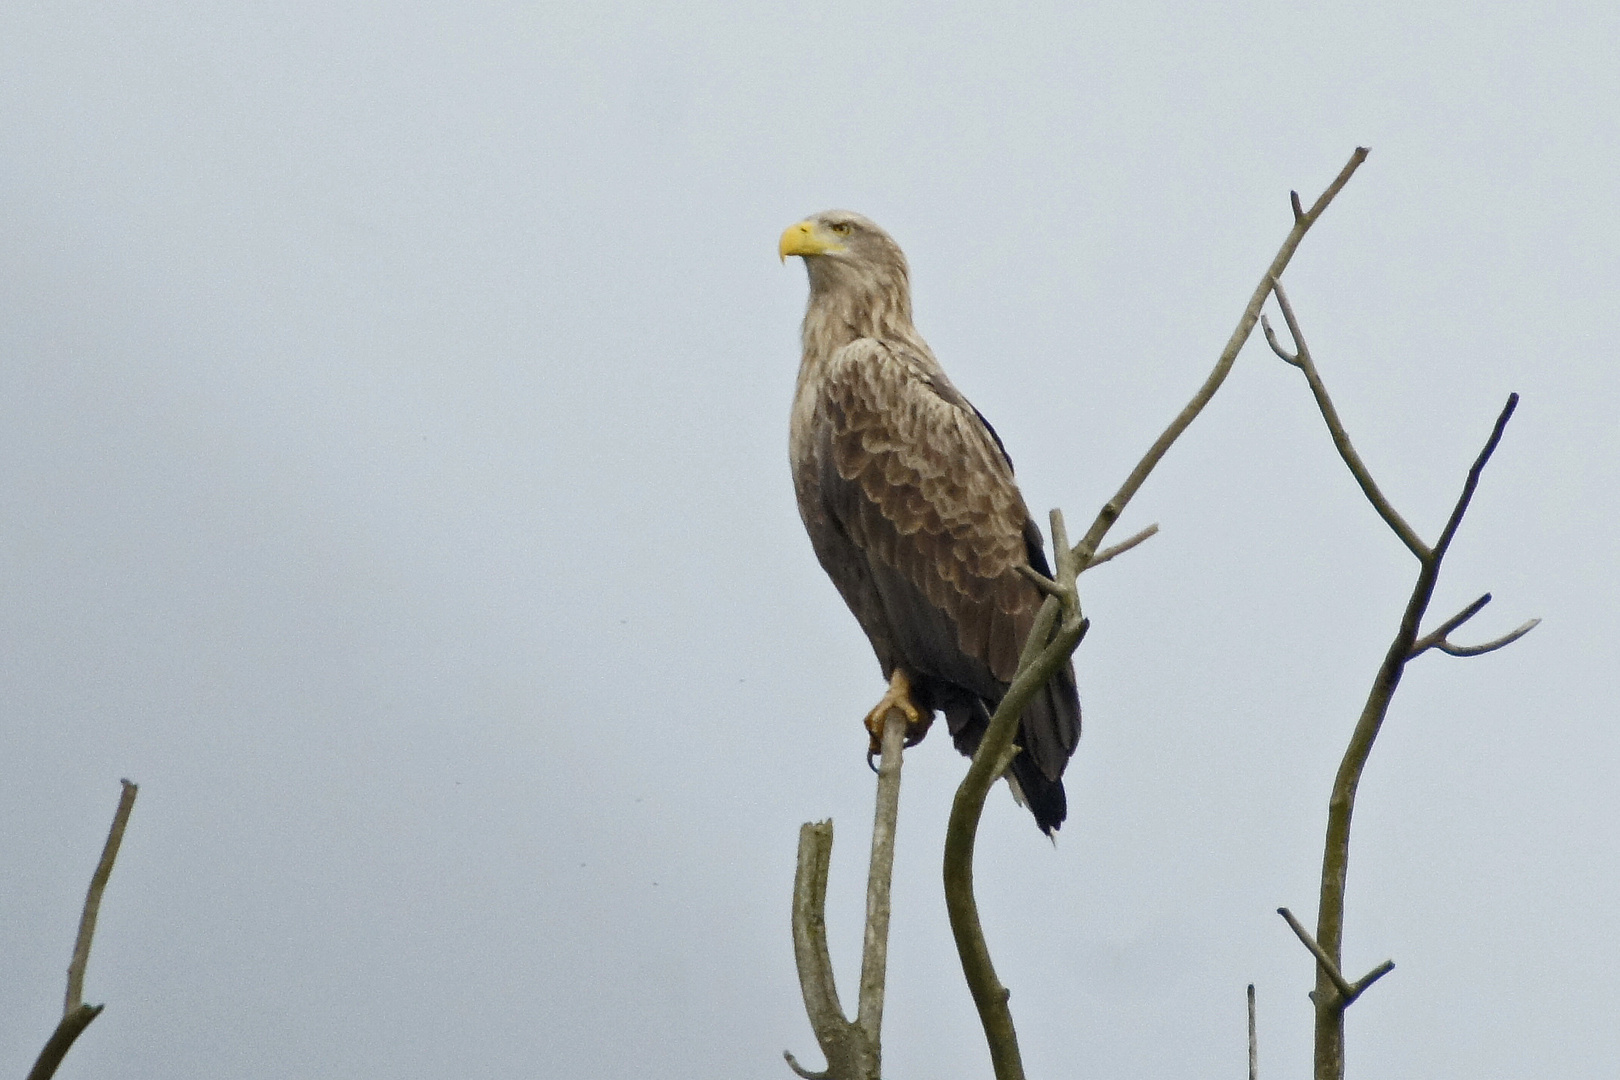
[393,410]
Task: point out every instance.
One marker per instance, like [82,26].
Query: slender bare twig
[92,899]
[1052,588]
[1438,634]
[76,1015]
[1254,1040]
[1039,580]
[1122,547]
[1301,359]
[1303,220]
[1489,646]
[853,1049]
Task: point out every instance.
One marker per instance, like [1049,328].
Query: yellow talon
[898,696]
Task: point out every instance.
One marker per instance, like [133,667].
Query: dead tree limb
[76,1015]
[1058,629]
[1333,992]
[853,1049]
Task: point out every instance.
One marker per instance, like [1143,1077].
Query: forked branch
[1333,992]
[853,1049]
[1059,628]
[1303,220]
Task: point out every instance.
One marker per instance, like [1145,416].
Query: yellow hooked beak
[806,238]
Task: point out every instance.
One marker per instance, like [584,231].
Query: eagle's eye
[841,228]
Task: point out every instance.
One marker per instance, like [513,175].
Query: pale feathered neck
[859,298]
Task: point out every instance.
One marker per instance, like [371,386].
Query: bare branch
[1348,991]
[1438,634]
[1490,646]
[1372,976]
[1122,547]
[1254,1040]
[92,899]
[1039,580]
[70,1028]
[814,962]
[1302,223]
[76,1015]
[1271,339]
[793,1063]
[1438,638]
[1472,482]
[853,1049]
[996,751]
[875,946]
[1301,359]
[1329,967]
[1293,200]
[1329,1052]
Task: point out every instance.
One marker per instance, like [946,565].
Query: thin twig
[1122,547]
[1372,976]
[76,1015]
[1302,223]
[816,983]
[1490,646]
[1039,580]
[1254,1040]
[1301,359]
[1438,634]
[1329,967]
[92,899]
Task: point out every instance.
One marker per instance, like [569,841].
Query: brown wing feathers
[909,499]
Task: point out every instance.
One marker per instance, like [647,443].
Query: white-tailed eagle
[909,499]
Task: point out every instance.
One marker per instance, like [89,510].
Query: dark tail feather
[1049,730]
[1045,798]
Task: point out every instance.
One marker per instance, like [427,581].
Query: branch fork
[1333,991]
[1059,627]
[853,1048]
[1348,991]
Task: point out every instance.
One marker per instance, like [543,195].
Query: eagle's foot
[898,697]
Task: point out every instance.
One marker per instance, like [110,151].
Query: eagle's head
[850,258]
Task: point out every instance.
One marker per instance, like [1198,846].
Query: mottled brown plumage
[909,500]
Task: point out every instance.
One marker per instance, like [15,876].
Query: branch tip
[799,1070]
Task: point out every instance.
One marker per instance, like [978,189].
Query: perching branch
[853,1049]
[76,1015]
[1333,992]
[1047,649]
